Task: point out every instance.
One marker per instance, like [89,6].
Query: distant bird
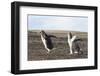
[70,41]
[46,39]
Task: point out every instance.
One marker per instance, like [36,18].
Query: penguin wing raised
[73,38]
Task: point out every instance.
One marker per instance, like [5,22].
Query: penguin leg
[48,50]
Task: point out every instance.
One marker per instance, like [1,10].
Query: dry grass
[36,50]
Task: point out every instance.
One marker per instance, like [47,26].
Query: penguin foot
[76,52]
[48,52]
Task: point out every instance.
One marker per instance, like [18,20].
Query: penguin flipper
[73,38]
[78,40]
[52,36]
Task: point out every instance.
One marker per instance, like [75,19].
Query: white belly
[44,41]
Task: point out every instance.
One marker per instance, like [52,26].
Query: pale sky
[67,23]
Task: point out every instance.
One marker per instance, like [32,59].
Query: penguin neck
[43,36]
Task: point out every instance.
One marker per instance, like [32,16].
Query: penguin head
[43,34]
[69,34]
[42,31]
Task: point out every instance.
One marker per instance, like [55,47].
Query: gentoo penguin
[70,41]
[46,39]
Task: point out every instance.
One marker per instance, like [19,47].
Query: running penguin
[47,42]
